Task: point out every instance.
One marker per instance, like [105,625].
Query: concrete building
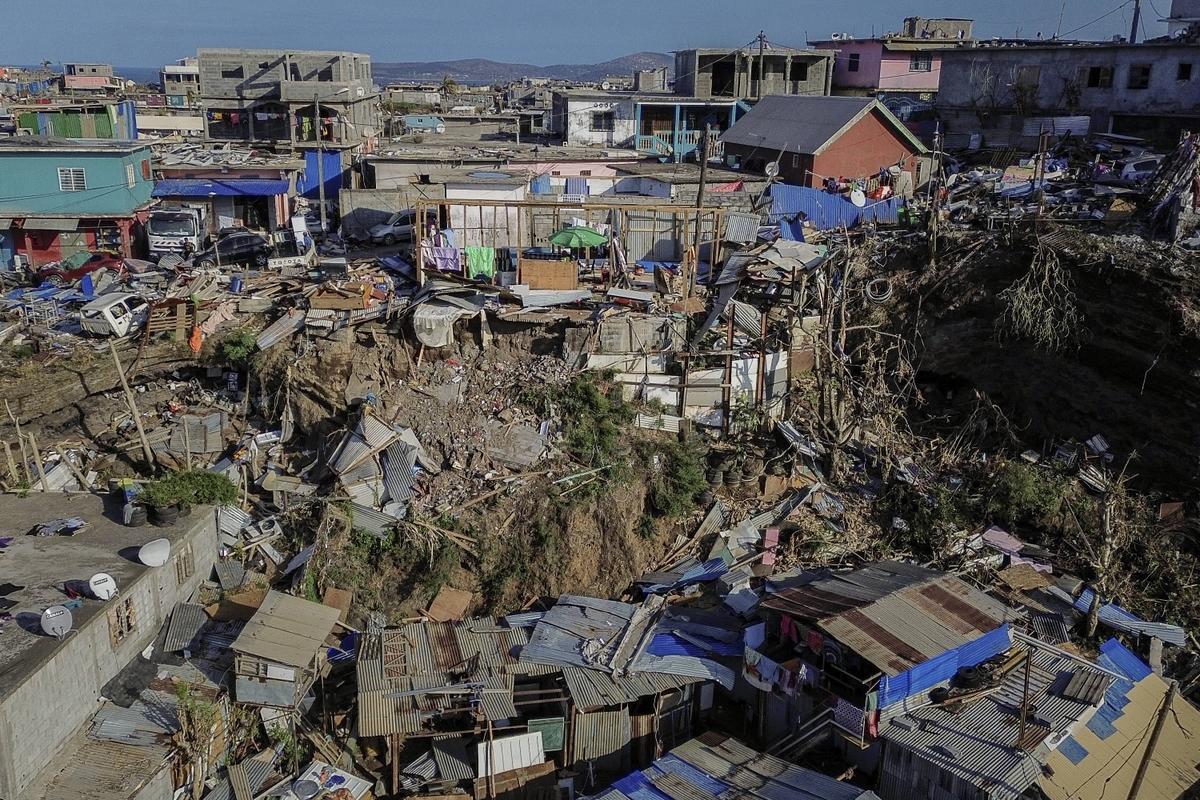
[1150,90]
[660,125]
[89,78]
[181,82]
[748,73]
[289,99]
[650,80]
[906,63]
[1184,15]
[813,138]
[49,687]
[60,196]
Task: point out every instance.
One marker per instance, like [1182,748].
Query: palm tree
[449,85]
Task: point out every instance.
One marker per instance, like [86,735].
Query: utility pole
[762,46]
[699,205]
[320,158]
[1039,173]
[1158,726]
[1137,18]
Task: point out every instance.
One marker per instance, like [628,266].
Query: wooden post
[83,484]
[187,444]
[37,462]
[1024,699]
[12,464]
[20,443]
[133,409]
[1158,726]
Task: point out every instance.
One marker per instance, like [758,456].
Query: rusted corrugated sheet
[602,741]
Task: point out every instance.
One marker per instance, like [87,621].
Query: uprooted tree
[1042,307]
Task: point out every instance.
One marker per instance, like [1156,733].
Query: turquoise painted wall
[29,183]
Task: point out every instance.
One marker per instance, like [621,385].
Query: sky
[149,33]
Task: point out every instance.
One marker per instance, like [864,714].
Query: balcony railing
[677,144]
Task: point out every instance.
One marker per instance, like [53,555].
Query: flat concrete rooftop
[41,565]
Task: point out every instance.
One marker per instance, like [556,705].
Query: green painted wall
[29,183]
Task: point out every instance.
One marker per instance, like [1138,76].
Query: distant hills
[483,71]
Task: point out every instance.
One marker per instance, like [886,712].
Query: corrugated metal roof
[231,519]
[397,465]
[186,621]
[280,329]
[450,753]
[374,522]
[287,629]
[230,574]
[602,740]
[106,769]
[594,688]
[509,753]
[263,692]
[977,742]
[741,227]
[1119,619]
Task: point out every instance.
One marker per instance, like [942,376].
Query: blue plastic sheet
[925,676]
[791,205]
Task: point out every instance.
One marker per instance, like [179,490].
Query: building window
[146,169]
[325,74]
[235,74]
[800,71]
[185,565]
[1099,78]
[1184,71]
[603,121]
[130,175]
[585,173]
[1029,77]
[920,62]
[852,63]
[72,179]
[795,161]
[121,621]
[1139,76]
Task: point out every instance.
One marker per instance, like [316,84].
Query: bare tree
[198,728]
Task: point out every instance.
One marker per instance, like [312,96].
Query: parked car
[76,265]
[115,314]
[399,227]
[240,248]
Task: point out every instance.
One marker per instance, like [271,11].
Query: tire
[137,517]
[260,260]
[56,280]
[164,516]
[389,240]
[206,263]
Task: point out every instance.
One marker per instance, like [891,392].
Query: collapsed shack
[569,680]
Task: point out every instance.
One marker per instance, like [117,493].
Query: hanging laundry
[788,630]
[443,259]
[814,641]
[758,670]
[481,261]
[235,118]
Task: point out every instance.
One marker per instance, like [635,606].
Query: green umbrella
[577,236]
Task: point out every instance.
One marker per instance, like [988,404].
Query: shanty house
[281,651]
[715,765]
[871,639]
[814,138]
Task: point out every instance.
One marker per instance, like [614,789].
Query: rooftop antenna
[155,552]
[103,586]
[57,621]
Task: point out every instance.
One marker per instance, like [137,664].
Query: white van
[115,314]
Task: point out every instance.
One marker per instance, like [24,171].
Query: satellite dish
[103,586]
[155,553]
[57,621]
[772,169]
[305,789]
[858,197]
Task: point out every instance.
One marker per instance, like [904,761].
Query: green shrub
[592,420]
[1021,492]
[237,348]
[677,480]
[195,487]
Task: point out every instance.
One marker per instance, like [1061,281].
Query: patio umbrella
[577,236]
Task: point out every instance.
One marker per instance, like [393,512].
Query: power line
[1097,19]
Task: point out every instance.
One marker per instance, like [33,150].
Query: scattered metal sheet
[186,622]
[230,574]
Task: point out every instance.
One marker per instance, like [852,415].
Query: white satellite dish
[858,197]
[103,586]
[155,553]
[771,169]
[57,621]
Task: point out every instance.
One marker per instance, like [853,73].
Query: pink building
[89,77]
[889,65]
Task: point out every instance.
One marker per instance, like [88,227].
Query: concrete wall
[869,52]
[982,79]
[46,711]
[882,69]
[263,71]
[896,73]
[578,121]
[784,73]
[29,182]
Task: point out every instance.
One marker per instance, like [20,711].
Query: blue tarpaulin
[1119,619]
[576,186]
[308,182]
[234,187]
[540,185]
[674,765]
[669,644]
[926,675]
[791,205]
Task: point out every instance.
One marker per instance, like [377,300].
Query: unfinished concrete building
[751,73]
[288,98]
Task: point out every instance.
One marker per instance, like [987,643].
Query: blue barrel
[235,284]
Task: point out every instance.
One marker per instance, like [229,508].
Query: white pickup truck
[115,314]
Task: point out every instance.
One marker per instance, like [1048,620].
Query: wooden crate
[537,274]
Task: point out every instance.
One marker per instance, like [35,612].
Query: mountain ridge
[483,70]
